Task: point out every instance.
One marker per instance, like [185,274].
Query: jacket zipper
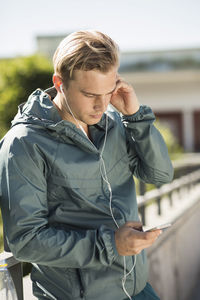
[81,283]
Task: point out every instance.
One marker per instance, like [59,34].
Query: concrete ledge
[27,283]
[174,260]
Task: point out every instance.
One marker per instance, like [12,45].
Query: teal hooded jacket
[56,201]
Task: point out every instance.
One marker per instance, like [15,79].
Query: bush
[18,79]
[174,148]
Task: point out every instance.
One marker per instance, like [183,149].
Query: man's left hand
[124,98]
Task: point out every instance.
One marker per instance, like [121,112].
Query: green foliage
[174,149]
[19,77]
[173,146]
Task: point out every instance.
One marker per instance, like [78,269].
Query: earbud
[60,84]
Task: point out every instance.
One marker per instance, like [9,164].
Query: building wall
[176,94]
[47,45]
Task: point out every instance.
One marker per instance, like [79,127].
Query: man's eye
[89,96]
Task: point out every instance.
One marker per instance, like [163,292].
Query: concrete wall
[174,260]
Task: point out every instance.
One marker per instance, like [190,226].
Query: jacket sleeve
[25,214]
[148,153]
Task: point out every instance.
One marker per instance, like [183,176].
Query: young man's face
[89,94]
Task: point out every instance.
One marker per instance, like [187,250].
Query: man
[67,165]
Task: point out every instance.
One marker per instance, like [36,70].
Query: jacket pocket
[62,283]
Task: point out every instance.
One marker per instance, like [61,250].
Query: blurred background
[160,56]
[160,53]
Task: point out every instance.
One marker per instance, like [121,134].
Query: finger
[145,243]
[138,246]
[144,237]
[140,241]
[133,224]
[120,78]
[121,84]
[153,235]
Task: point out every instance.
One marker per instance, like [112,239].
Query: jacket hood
[38,109]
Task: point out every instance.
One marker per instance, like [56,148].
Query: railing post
[15,269]
[142,212]
[170,199]
[142,187]
[159,205]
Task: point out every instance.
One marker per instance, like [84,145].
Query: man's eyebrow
[93,94]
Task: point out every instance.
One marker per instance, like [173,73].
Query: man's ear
[57,81]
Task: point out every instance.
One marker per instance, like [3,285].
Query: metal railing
[167,190]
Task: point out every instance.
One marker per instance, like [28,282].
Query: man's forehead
[95,94]
[95,82]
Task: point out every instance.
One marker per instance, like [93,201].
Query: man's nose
[100,103]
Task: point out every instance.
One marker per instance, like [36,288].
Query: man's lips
[96,116]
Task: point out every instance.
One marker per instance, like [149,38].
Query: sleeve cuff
[143,112]
[110,251]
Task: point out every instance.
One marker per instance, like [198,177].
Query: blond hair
[85,50]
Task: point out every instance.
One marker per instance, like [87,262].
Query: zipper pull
[81,293]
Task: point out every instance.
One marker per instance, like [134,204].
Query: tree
[174,148]
[19,77]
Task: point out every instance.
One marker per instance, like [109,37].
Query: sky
[136,25]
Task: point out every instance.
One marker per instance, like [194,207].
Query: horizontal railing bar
[168,188]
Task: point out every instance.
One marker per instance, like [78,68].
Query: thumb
[134,224]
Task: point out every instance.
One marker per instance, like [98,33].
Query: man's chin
[94,119]
[93,122]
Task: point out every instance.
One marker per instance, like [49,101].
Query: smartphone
[163,226]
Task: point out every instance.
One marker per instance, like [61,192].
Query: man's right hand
[131,240]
